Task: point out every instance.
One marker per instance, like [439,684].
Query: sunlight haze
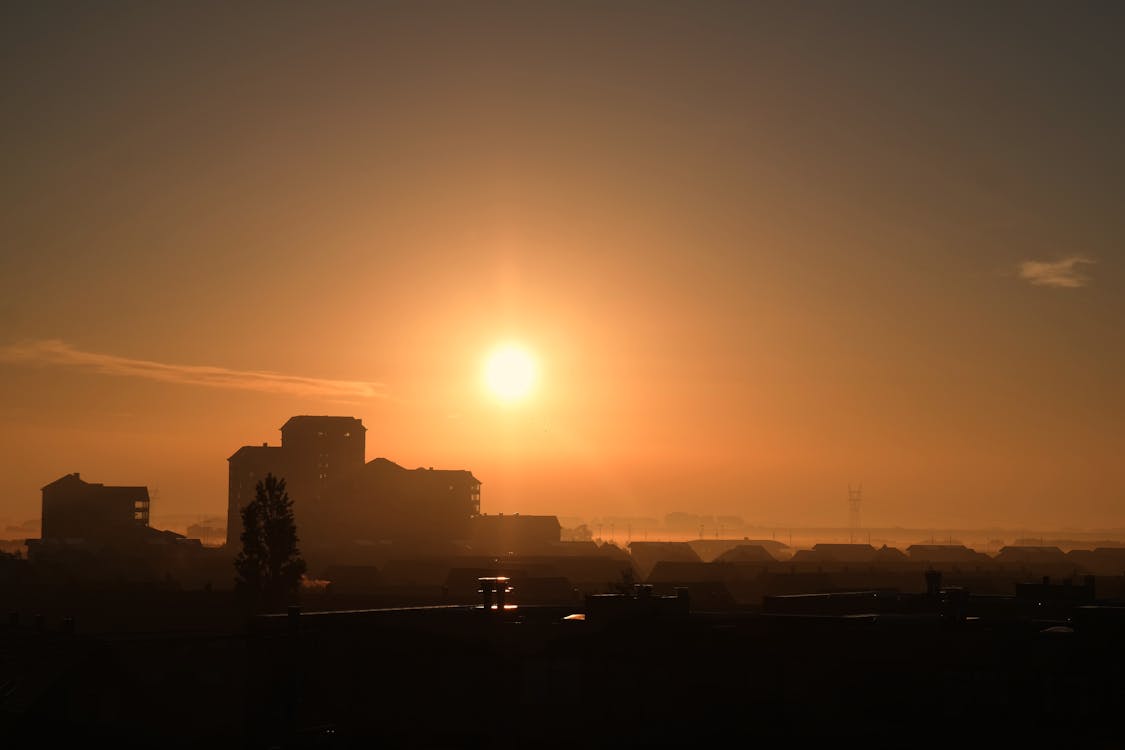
[754,254]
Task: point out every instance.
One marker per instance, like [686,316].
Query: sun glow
[509,373]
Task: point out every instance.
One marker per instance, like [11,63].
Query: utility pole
[855,497]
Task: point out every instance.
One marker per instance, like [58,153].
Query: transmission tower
[855,497]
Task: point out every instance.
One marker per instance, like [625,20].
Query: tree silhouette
[269,567]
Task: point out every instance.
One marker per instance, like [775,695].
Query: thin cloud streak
[61,354]
[1065,273]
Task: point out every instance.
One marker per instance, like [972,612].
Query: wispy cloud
[61,354]
[1065,273]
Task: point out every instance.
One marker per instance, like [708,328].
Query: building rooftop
[387,465]
[76,480]
[312,419]
[263,448]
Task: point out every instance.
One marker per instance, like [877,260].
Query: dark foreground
[911,672]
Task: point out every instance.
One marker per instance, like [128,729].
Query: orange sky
[760,253]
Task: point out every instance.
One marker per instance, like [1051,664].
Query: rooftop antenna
[855,497]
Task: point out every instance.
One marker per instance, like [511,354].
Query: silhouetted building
[338,500]
[1016,555]
[845,553]
[889,556]
[746,553]
[1064,591]
[387,502]
[936,554]
[248,466]
[515,534]
[313,451]
[647,554]
[318,450]
[711,549]
[95,532]
[76,509]
[1103,560]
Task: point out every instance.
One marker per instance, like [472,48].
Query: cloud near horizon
[1065,273]
[61,354]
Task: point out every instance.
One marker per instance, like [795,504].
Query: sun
[509,373]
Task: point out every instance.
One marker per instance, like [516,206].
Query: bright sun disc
[510,373]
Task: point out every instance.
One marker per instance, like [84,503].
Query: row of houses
[1101,560]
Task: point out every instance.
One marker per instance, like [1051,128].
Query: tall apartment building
[313,451]
[340,500]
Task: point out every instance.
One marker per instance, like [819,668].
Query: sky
[758,251]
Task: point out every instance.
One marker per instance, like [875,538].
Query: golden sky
[758,251]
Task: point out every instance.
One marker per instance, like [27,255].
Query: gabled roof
[65,479]
[950,553]
[450,473]
[746,553]
[255,449]
[385,464]
[834,547]
[352,422]
[74,480]
[887,554]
